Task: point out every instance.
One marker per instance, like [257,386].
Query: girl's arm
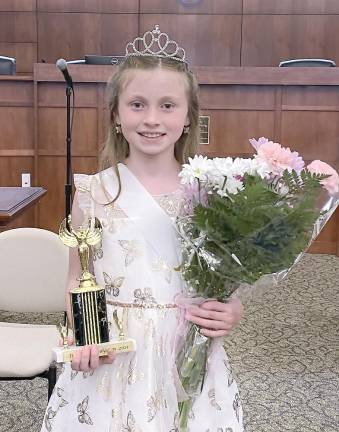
[215,318]
[86,358]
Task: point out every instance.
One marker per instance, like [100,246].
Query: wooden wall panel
[94,6]
[16,93]
[18,27]
[189,7]
[321,98]
[75,35]
[314,134]
[53,94]
[116,32]
[25,54]
[269,39]
[52,131]
[18,5]
[52,207]
[291,6]
[207,39]
[18,38]
[21,136]
[12,167]
[304,117]
[230,131]
[237,97]
[327,241]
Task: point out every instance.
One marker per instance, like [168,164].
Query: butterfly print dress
[138,392]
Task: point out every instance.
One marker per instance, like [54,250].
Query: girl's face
[153,110]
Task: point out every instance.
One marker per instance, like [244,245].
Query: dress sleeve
[83,184]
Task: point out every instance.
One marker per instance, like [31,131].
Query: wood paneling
[314,134]
[291,6]
[116,32]
[310,98]
[269,39]
[18,27]
[75,35]
[207,39]
[16,93]
[52,131]
[11,169]
[231,130]
[327,242]
[17,139]
[25,54]
[254,102]
[18,5]
[237,97]
[52,177]
[94,6]
[16,128]
[191,6]
[53,94]
[213,32]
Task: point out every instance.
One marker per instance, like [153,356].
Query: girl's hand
[87,358]
[216,319]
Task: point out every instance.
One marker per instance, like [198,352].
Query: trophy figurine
[88,300]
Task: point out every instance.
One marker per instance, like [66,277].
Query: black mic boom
[62,65]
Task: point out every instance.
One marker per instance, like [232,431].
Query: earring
[118,129]
[186,129]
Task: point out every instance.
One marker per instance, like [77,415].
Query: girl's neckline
[159,195]
[166,194]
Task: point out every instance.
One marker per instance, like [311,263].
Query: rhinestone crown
[156,43]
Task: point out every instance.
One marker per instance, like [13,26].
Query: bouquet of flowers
[246,218]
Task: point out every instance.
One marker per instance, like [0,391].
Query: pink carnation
[331,183]
[193,197]
[256,144]
[277,157]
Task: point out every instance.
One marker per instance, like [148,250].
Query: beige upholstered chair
[33,271]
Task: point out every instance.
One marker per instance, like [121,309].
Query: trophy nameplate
[88,301]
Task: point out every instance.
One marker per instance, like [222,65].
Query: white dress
[137,393]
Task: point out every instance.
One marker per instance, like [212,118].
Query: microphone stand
[68,185]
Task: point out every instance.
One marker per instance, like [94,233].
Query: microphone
[62,65]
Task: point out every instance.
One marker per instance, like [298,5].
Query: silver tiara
[157,44]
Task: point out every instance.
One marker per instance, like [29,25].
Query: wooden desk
[16,200]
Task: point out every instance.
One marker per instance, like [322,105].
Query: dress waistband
[142,305]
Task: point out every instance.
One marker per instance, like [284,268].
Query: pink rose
[277,157]
[331,183]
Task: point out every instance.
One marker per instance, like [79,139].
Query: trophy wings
[66,236]
[90,235]
[94,234]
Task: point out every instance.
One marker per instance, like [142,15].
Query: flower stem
[191,364]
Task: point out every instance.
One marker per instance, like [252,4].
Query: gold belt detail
[142,306]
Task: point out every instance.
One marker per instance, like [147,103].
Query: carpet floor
[284,355]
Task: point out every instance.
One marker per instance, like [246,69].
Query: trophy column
[88,300]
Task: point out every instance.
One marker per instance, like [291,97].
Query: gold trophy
[88,300]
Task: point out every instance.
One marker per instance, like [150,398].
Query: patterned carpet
[284,355]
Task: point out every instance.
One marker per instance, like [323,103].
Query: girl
[154,110]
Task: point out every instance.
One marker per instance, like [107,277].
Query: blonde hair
[116,148]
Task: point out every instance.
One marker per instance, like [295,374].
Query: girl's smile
[153,110]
